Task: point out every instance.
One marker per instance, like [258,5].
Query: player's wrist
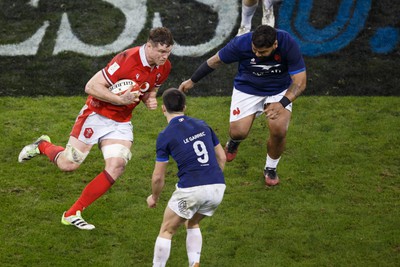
[202,71]
[285,101]
[154,198]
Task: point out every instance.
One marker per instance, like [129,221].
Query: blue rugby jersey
[268,75]
[191,144]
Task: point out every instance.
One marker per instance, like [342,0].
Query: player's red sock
[95,189]
[50,150]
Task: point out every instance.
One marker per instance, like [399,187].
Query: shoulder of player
[129,56]
[284,37]
[242,42]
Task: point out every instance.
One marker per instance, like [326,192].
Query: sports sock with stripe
[95,189]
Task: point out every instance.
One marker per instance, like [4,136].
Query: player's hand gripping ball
[120,87]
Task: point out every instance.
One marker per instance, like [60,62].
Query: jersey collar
[178,118]
[142,54]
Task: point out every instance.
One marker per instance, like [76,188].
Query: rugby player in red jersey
[105,119]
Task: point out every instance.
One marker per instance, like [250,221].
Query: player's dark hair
[161,35]
[174,100]
[263,36]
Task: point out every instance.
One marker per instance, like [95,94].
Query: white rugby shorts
[243,105]
[95,128]
[203,199]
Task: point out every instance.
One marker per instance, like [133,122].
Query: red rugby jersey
[129,64]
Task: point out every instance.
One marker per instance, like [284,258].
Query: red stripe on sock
[50,150]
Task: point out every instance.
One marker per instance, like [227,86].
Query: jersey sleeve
[295,59]
[117,68]
[162,151]
[232,51]
[214,137]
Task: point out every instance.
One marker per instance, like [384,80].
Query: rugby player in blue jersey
[271,75]
[201,186]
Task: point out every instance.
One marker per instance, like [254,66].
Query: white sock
[247,15]
[194,242]
[271,163]
[162,249]
[268,3]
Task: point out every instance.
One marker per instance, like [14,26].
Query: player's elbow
[88,89]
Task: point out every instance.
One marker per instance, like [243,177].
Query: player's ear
[184,108]
[163,108]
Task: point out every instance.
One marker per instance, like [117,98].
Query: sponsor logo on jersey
[113,68]
[144,87]
[266,69]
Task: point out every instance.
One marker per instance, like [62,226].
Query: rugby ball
[121,86]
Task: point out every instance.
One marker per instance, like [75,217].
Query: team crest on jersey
[137,76]
[158,77]
[278,57]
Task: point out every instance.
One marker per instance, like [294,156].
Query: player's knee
[70,159]
[74,156]
[65,164]
[278,133]
[167,232]
[117,151]
[237,134]
[115,167]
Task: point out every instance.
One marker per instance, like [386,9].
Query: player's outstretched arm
[203,70]
[157,183]
[221,157]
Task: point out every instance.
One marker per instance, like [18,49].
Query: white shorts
[243,105]
[94,128]
[204,199]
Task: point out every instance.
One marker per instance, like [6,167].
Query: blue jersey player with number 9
[201,186]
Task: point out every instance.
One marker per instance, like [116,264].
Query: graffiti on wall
[294,17]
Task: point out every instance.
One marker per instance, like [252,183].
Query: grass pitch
[337,204]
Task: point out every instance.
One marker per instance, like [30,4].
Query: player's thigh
[241,128]
[195,220]
[125,143]
[171,223]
